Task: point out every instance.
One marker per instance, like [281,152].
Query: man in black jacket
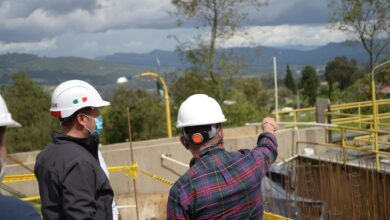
[72,184]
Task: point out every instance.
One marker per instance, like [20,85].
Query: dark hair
[200,128]
[71,118]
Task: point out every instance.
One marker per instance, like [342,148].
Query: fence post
[345,159]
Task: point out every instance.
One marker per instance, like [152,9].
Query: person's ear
[221,134]
[81,120]
[184,142]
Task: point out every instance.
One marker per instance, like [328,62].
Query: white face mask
[3,165]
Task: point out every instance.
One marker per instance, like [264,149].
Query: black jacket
[72,184]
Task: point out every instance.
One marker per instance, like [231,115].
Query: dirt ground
[150,206]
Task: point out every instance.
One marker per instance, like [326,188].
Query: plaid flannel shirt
[223,185]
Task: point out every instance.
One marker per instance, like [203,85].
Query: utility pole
[276,91]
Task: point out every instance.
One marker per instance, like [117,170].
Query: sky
[92,28]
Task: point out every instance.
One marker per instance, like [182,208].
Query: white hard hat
[5,116]
[74,95]
[199,109]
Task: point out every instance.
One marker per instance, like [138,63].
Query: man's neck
[198,149]
[72,132]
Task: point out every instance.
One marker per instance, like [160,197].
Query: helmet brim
[102,104]
[11,124]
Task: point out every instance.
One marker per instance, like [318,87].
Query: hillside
[52,71]
[103,71]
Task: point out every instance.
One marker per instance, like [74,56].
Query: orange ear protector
[200,137]
[197,138]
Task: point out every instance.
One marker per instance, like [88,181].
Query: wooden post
[132,161]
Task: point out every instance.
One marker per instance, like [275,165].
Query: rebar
[349,192]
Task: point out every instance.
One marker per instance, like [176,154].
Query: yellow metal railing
[335,110]
[353,117]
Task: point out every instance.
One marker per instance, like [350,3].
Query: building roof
[385,90]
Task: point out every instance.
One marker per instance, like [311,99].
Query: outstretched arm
[266,149]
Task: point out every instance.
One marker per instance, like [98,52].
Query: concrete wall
[148,155]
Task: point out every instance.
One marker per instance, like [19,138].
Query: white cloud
[127,41]
[23,47]
[284,35]
[91,28]
[110,15]
[145,40]
[33,20]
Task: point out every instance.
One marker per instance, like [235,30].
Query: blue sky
[91,28]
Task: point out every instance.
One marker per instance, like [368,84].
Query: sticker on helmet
[83,99]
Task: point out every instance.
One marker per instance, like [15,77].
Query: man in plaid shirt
[219,184]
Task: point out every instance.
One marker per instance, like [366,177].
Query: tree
[220,17]
[310,83]
[289,80]
[238,110]
[382,79]
[254,92]
[368,21]
[190,83]
[29,104]
[146,112]
[340,72]
[359,91]
[245,100]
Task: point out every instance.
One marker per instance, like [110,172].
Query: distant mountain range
[104,70]
[260,58]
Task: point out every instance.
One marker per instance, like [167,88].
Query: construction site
[336,167]
[67,66]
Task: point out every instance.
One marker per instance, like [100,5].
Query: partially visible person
[219,184]
[72,185]
[103,165]
[11,208]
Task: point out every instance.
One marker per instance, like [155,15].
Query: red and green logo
[76,101]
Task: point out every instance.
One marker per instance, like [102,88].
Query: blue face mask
[99,125]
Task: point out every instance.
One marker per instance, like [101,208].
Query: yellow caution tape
[270,216]
[31,177]
[30,199]
[132,171]
[129,171]
[19,178]
[159,179]
[267,215]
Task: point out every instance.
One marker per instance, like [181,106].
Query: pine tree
[310,83]
[289,80]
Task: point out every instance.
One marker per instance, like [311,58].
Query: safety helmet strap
[200,137]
